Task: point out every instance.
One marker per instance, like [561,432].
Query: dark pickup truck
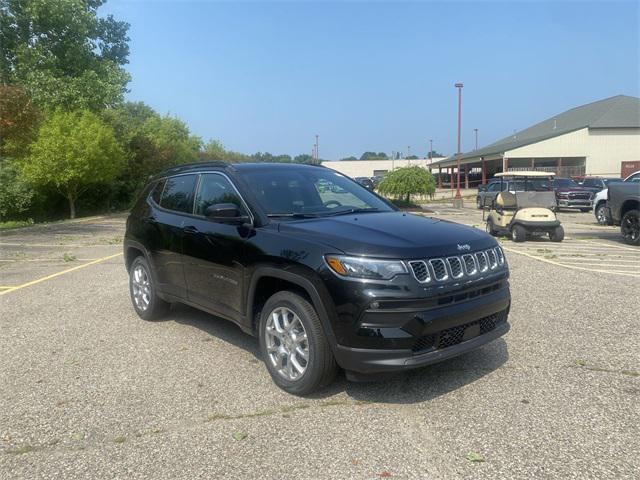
[624,208]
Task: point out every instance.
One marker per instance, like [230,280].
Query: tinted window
[215,189]
[178,193]
[316,191]
[565,183]
[633,178]
[157,191]
[494,187]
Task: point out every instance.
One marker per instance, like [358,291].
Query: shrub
[406,181]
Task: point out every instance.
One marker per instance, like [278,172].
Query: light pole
[476,132]
[317,153]
[431,151]
[457,202]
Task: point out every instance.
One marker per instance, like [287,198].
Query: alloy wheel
[141,287]
[601,215]
[287,344]
[631,227]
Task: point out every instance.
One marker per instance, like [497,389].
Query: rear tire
[557,234]
[630,227]
[518,233]
[319,368]
[144,295]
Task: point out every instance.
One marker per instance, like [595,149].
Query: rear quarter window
[156,193]
[178,193]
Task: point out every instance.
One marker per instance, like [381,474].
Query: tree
[19,120]
[406,181]
[63,53]
[73,151]
[351,158]
[412,157]
[303,158]
[15,194]
[435,154]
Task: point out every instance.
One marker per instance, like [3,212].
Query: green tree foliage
[435,154]
[15,195]
[374,156]
[19,120]
[351,158]
[406,181]
[65,55]
[73,151]
[303,158]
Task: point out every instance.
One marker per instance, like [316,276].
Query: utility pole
[431,151]
[476,132]
[317,152]
[457,201]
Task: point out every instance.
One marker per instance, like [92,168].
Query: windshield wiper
[353,210]
[293,215]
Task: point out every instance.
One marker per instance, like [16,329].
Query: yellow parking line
[573,267]
[48,277]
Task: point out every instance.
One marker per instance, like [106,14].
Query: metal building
[600,138]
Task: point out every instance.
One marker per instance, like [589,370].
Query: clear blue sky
[374,75]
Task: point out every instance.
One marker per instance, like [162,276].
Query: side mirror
[225,213]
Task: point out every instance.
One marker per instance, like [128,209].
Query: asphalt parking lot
[88,390]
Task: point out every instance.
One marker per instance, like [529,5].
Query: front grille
[456,335]
[579,196]
[420,271]
[439,269]
[457,267]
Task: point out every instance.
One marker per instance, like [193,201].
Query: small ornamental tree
[73,151]
[406,181]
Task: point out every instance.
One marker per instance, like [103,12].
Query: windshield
[310,192]
[565,183]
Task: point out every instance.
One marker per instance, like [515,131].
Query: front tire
[294,347]
[518,233]
[602,214]
[557,234]
[491,229]
[630,227]
[144,296]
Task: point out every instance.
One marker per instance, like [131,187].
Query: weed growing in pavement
[69,257]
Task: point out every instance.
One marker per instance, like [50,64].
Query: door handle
[190,229]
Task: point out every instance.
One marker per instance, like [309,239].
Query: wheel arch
[268,280]
[631,204]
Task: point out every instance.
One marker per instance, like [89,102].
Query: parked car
[623,202]
[571,195]
[323,279]
[376,180]
[365,182]
[600,209]
[597,184]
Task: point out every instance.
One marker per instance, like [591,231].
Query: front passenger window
[213,189]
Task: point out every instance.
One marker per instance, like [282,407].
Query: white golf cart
[527,211]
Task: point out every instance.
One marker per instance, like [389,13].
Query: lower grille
[456,335]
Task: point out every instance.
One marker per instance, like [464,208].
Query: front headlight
[358,267]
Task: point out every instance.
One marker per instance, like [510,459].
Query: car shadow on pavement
[412,386]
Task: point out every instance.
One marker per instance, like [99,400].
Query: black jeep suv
[325,272]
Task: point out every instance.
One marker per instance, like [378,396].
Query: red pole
[459,87]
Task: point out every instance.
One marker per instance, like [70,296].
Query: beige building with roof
[601,138]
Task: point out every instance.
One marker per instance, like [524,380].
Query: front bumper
[432,335]
[569,203]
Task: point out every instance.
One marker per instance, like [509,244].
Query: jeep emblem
[466,246]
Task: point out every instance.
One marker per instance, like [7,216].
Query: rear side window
[157,191]
[178,193]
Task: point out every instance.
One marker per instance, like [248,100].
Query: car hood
[390,235]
